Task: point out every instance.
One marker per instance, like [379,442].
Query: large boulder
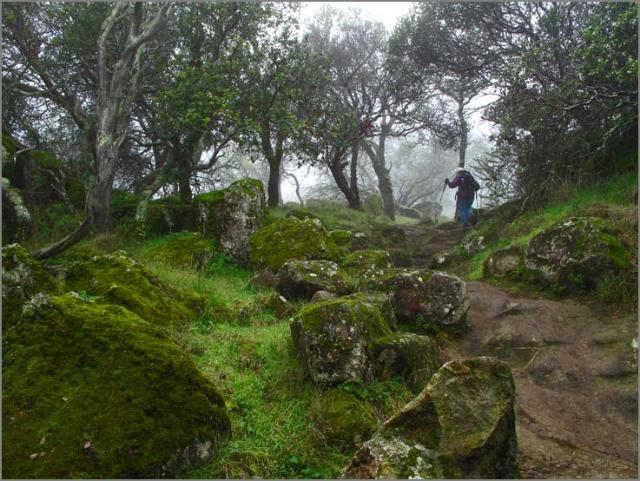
[302,279]
[291,238]
[118,279]
[230,216]
[22,278]
[334,339]
[461,426]
[92,390]
[504,262]
[575,253]
[367,260]
[410,356]
[183,249]
[408,212]
[342,418]
[424,298]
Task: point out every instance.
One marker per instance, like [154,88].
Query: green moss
[343,418]
[120,280]
[187,249]
[291,238]
[99,392]
[341,237]
[302,214]
[22,278]
[365,260]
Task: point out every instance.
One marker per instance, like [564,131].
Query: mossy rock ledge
[230,216]
[462,425]
[334,339]
[363,261]
[182,249]
[576,253]
[92,390]
[118,279]
[22,278]
[290,238]
[302,279]
[423,297]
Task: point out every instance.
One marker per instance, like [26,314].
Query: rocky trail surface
[574,366]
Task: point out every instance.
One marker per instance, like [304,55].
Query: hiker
[467,188]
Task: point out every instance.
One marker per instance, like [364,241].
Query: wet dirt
[575,369]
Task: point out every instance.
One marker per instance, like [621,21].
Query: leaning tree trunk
[336,166]
[353,184]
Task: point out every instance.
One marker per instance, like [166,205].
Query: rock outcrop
[302,279]
[576,253]
[230,216]
[423,297]
[504,262]
[92,390]
[290,238]
[182,249]
[461,426]
[334,339]
[410,356]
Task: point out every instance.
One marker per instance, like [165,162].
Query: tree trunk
[378,161]
[356,204]
[273,187]
[464,131]
[337,170]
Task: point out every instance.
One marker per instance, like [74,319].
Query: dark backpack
[468,183]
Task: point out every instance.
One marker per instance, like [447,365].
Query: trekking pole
[443,189]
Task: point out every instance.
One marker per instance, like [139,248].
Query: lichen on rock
[22,278]
[423,297]
[95,391]
[230,216]
[290,238]
[575,253]
[462,425]
[302,279]
[362,261]
[503,262]
[334,339]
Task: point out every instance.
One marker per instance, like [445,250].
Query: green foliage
[187,249]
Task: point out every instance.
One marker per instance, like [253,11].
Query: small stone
[34,455]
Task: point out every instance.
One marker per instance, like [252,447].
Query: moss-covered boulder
[430,209]
[17,222]
[461,426]
[367,260]
[92,390]
[412,357]
[230,216]
[291,238]
[22,278]
[575,254]
[423,298]
[334,339]
[302,279]
[302,213]
[503,262]
[342,418]
[182,249]
[118,279]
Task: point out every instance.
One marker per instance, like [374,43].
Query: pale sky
[386,12]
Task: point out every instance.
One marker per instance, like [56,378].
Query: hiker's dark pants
[464,207]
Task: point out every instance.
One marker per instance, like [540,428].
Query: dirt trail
[575,371]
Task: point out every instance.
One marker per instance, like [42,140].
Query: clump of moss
[291,238]
[342,418]
[341,237]
[93,390]
[302,279]
[367,260]
[118,279]
[182,249]
[22,278]
[302,214]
